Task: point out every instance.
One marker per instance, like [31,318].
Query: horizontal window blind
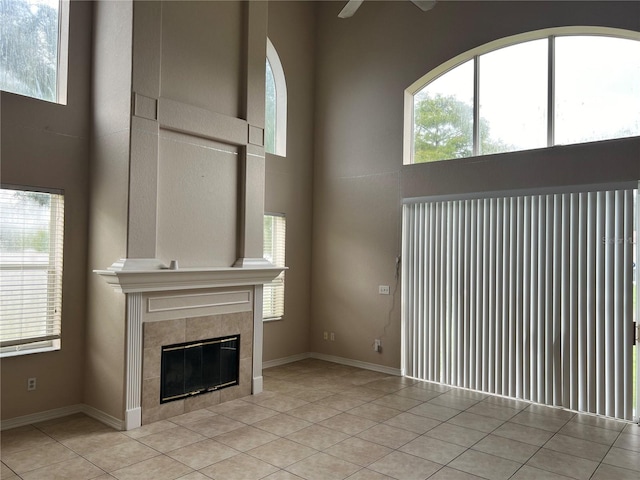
[31,241]
[527,296]
[275,232]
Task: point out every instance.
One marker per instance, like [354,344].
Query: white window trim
[415,87]
[281,99]
[63,52]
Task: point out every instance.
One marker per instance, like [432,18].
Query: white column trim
[133,412]
[257,383]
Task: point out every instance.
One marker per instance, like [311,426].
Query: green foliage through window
[443,130]
[29,47]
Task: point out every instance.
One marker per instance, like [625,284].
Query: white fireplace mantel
[150,275]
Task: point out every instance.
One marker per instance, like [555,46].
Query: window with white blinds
[31,239]
[275,230]
[527,296]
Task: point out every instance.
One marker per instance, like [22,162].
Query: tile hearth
[320,420]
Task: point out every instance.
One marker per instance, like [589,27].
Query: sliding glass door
[530,296]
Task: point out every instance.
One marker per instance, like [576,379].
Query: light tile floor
[319,420]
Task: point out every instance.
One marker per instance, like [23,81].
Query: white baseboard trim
[332,358]
[132,418]
[357,363]
[258,385]
[105,418]
[62,412]
[40,417]
[284,360]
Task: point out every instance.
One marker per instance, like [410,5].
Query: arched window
[276,104]
[552,87]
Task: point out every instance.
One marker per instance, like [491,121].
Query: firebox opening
[199,367]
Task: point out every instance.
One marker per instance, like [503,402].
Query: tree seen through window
[29,47]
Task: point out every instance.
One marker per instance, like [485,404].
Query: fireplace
[194,368]
[172,307]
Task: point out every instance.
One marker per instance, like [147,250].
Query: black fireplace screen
[199,367]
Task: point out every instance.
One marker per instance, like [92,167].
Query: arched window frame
[281,100]
[476,52]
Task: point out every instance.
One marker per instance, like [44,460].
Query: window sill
[26,350]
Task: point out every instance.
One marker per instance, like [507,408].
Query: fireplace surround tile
[205,400]
[168,332]
[152,410]
[152,361]
[157,334]
[149,388]
[212,326]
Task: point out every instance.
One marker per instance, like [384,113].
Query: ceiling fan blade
[424,5]
[350,8]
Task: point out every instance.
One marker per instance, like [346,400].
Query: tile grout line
[541,447]
[368,402]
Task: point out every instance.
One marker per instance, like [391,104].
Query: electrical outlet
[326,335]
[383,289]
[333,336]
[377,345]
[31,383]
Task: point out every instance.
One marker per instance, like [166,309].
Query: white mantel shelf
[131,277]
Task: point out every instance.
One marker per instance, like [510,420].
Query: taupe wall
[201,60]
[202,64]
[289,179]
[47,145]
[110,151]
[363,66]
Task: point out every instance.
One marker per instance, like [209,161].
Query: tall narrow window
[276,104]
[33,48]
[275,231]
[270,111]
[31,238]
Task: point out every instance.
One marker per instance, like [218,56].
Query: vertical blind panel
[31,242]
[529,297]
